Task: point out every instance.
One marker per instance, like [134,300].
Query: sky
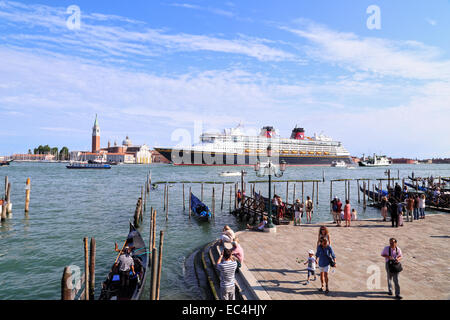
[374,75]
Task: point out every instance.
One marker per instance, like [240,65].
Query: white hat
[311,252]
[227,245]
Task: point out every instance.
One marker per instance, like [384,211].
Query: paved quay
[270,266]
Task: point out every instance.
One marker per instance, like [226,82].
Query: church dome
[127,142]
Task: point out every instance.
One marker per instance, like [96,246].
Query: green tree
[64,153]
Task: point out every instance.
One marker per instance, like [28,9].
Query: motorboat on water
[375,161]
[339,164]
[232,173]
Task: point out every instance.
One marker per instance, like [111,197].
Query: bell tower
[96,136]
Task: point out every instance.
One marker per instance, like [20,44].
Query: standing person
[416,207]
[323,233]
[309,209]
[394,212]
[347,213]
[409,208]
[392,254]
[334,208]
[338,212]
[326,257]
[398,192]
[125,264]
[298,212]
[384,208]
[226,265]
[422,206]
[311,266]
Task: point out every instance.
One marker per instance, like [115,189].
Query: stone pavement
[271,260]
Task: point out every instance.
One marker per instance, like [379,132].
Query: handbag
[394,267]
[332,263]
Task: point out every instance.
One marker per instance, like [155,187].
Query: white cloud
[132,39]
[405,59]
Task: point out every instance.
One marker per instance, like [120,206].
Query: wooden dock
[270,260]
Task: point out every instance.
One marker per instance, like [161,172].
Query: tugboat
[375,161]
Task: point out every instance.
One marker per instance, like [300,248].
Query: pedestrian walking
[312,261]
[226,265]
[327,258]
[323,233]
[393,254]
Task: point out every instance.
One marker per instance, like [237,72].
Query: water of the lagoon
[67,205]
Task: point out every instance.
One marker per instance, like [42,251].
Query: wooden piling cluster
[6,201]
[141,204]
[155,263]
[82,287]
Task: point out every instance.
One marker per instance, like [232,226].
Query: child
[311,266]
[400,218]
[354,215]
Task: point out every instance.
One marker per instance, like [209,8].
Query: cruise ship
[232,147]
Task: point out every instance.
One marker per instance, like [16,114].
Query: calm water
[67,205]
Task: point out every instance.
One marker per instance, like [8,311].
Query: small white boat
[339,164]
[231,173]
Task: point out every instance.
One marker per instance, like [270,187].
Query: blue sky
[152,68]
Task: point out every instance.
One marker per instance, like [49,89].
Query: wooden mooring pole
[27,195]
[92,269]
[160,256]
[153,275]
[184,201]
[223,194]
[86,269]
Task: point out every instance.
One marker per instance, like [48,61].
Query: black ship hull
[205,158]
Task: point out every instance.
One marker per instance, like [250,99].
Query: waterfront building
[125,153]
[33,157]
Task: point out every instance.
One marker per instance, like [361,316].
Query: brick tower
[96,136]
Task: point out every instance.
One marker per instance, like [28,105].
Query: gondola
[200,210]
[383,192]
[111,289]
[418,187]
[371,194]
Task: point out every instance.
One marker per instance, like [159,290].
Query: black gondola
[200,210]
[111,289]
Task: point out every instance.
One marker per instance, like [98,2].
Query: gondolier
[125,264]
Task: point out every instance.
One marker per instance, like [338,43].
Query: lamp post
[270,169]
